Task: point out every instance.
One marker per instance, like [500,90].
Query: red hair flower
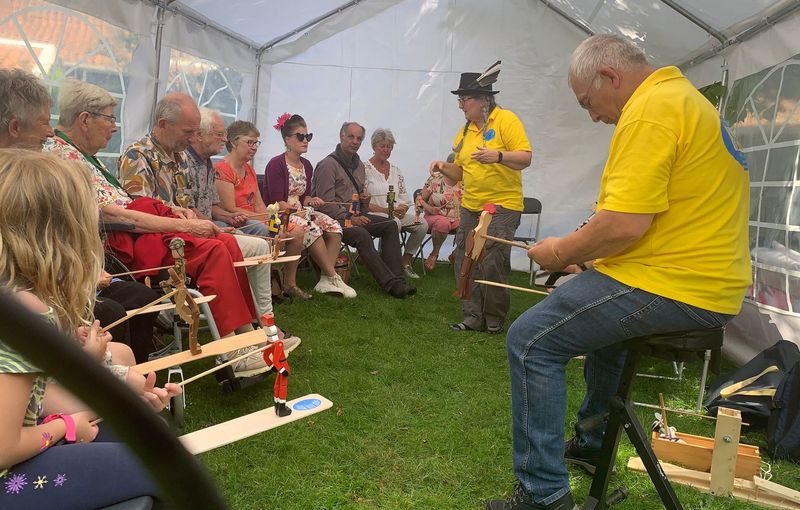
[282,120]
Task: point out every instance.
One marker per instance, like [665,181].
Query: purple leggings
[76,476]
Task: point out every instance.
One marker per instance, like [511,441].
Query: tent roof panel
[260,20]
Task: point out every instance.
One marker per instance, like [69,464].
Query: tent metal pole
[583,27]
[745,34]
[307,25]
[254,117]
[680,9]
[204,22]
[159,34]
[723,99]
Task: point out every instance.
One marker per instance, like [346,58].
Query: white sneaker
[346,290]
[327,285]
[251,365]
[290,343]
[409,271]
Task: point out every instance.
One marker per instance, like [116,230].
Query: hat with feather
[478,84]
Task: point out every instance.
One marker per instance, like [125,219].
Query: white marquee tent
[392,63]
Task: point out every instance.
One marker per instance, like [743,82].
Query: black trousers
[385,266]
[137,332]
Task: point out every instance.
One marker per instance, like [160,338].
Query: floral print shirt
[297,183]
[147,170]
[202,179]
[106,193]
[446,198]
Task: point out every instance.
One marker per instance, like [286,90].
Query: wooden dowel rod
[141,271]
[667,432]
[139,310]
[512,287]
[221,366]
[679,411]
[506,241]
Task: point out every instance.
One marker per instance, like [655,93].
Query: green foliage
[421,416]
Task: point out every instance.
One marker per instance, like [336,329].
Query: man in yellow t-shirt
[668,246]
[490,154]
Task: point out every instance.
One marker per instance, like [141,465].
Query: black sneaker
[587,458]
[519,500]
[401,290]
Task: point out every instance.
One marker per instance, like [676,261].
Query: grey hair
[382,134]
[238,129]
[207,117]
[76,97]
[22,96]
[604,50]
[348,124]
[169,108]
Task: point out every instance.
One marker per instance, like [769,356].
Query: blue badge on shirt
[731,145]
[489,135]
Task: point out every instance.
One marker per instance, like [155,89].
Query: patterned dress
[445,198]
[322,222]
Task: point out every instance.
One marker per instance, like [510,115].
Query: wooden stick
[139,310]
[667,432]
[512,287]
[221,366]
[141,271]
[679,411]
[273,239]
[95,422]
[267,259]
[506,241]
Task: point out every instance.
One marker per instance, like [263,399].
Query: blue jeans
[254,227]
[77,476]
[590,314]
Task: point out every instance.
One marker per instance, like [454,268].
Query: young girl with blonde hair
[50,256]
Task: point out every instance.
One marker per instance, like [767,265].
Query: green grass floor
[421,415]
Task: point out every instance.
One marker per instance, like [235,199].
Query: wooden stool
[681,346]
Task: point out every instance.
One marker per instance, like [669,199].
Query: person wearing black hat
[490,152]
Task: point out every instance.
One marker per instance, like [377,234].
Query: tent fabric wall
[397,69]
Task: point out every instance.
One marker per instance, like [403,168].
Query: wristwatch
[499,157]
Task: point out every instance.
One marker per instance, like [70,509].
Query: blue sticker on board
[305,405]
[489,135]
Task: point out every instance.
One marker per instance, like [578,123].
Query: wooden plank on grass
[251,424]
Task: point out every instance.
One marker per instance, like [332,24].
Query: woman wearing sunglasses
[287,181]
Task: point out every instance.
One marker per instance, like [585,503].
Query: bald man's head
[177,121]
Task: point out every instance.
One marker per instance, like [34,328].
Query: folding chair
[532,216]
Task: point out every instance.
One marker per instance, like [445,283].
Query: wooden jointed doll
[355,210]
[274,355]
[391,197]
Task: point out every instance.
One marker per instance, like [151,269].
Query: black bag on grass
[783,428]
[751,388]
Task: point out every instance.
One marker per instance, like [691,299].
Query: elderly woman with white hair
[380,174]
[85,126]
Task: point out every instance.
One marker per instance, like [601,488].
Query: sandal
[460,326]
[493,330]
[296,292]
[430,262]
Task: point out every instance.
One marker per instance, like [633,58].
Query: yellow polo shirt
[492,183]
[671,155]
